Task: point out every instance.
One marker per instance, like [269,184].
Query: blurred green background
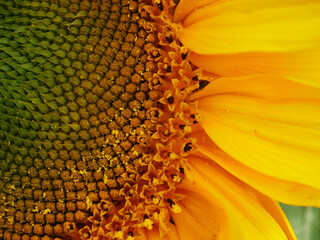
[304,220]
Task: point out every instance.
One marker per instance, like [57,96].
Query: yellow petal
[267,86]
[283,191]
[252,26]
[154,234]
[199,218]
[273,129]
[303,66]
[274,209]
[185,7]
[232,206]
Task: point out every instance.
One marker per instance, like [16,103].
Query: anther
[187,147]
[171,203]
[171,220]
[169,39]
[160,5]
[184,55]
[203,84]
[170,100]
[182,126]
[168,68]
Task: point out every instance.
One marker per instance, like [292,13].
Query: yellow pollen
[118,234]
[148,223]
[176,208]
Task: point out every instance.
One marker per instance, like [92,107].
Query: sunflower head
[156,119]
[94,119]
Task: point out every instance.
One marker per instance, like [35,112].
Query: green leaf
[305,221]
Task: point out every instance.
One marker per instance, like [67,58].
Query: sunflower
[157,119]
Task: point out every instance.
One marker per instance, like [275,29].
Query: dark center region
[76,109]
